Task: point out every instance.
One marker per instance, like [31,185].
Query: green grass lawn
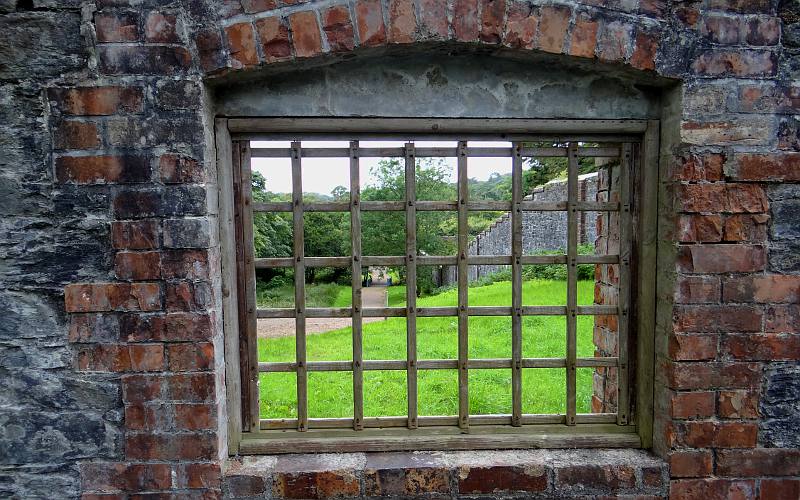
[544,390]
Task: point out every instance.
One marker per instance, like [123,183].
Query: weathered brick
[246,486]
[161,27]
[188,296]
[693,405]
[719,197]
[700,228]
[465,20]
[211,50]
[520,26]
[107,476]
[242,44]
[184,264]
[779,489]
[773,288]
[697,434]
[97,101]
[142,328]
[758,462]
[782,318]
[320,484]
[189,446]
[584,36]
[740,63]
[100,297]
[176,168]
[712,375]
[722,258]
[199,475]
[762,347]
[724,30]
[693,347]
[255,6]
[697,290]
[433,18]
[698,167]
[190,356]
[763,31]
[714,318]
[754,131]
[103,169]
[135,235]
[137,265]
[402,21]
[338,28]
[692,463]
[146,357]
[703,489]
[769,98]
[614,41]
[751,228]
[411,481]
[369,21]
[645,51]
[143,60]
[502,479]
[305,34]
[738,404]
[553,24]
[116,26]
[765,167]
[72,134]
[274,38]
[492,16]
[613,477]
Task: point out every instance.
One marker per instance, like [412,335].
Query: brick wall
[110,350]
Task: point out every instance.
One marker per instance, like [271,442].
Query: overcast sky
[321,175]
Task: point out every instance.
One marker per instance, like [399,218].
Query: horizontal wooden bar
[433,260]
[437,206]
[432,152]
[431,312]
[433,364]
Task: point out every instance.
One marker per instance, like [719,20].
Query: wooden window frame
[247,434]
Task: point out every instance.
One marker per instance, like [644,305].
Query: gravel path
[374,296]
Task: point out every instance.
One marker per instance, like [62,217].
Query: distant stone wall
[540,230]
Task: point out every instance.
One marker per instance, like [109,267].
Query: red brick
[211,50]
[782,318]
[137,265]
[501,479]
[191,387]
[320,484]
[723,258]
[199,475]
[163,60]
[338,28]
[161,27]
[694,347]
[105,476]
[741,6]
[465,20]
[762,289]
[758,462]
[705,489]
[142,328]
[103,358]
[195,417]
[255,6]
[734,198]
[762,347]
[170,446]
[752,228]
[700,228]
[188,296]
[146,357]
[584,37]
[736,63]
[102,169]
[688,405]
[190,356]
[94,328]
[369,21]
[779,489]
[242,44]
[116,26]
[613,477]
[738,404]
[698,167]
[553,26]
[697,290]
[76,135]
[763,31]
[712,375]
[141,388]
[492,14]
[718,435]
[645,50]
[246,486]
[305,34]
[652,477]
[274,38]
[722,29]
[769,98]
[402,21]
[614,41]
[99,297]
[520,26]
[782,167]
[98,101]
[433,18]
[710,318]
[187,327]
[184,264]
[176,168]
[693,463]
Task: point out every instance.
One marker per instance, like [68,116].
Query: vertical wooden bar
[249,281]
[299,288]
[516,285]
[624,282]
[411,283]
[572,278]
[355,245]
[463,288]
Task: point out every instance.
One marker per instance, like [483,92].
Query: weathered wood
[624,283]
[227,236]
[249,283]
[516,285]
[646,290]
[434,260]
[299,288]
[411,282]
[482,152]
[430,312]
[355,254]
[463,287]
[434,206]
[572,281]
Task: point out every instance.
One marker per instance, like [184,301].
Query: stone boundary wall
[540,230]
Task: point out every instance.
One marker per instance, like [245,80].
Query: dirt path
[374,296]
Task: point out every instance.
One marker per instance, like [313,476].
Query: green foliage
[279,292]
